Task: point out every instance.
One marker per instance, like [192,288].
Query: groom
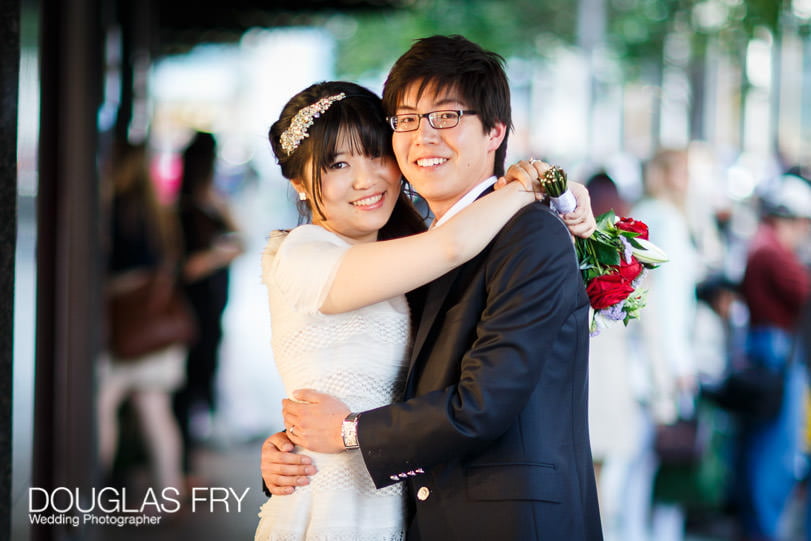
[492,436]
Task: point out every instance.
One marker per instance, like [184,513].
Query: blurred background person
[605,195]
[776,287]
[719,334]
[611,398]
[721,319]
[663,370]
[211,241]
[144,241]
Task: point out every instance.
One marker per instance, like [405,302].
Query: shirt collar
[466,200]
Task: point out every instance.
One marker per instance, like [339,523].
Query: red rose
[631,270]
[607,290]
[634,226]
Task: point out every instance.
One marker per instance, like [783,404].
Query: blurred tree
[635,31]
[522,28]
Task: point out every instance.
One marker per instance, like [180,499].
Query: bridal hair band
[292,136]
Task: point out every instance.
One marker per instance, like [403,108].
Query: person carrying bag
[776,286]
[148,326]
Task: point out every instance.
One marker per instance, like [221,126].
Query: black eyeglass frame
[392,120]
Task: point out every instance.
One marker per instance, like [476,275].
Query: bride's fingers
[522,172]
[274,466]
[518,169]
[540,167]
[277,490]
[580,225]
[577,216]
[283,484]
[282,471]
[535,168]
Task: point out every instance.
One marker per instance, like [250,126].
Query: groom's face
[444,164]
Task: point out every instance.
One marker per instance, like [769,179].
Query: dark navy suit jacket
[492,437]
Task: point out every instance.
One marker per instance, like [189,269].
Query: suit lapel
[435,298]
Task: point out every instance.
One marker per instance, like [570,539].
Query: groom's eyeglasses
[439,120]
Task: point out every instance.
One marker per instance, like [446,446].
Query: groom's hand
[282,469]
[314,420]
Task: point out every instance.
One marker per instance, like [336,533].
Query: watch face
[349,431]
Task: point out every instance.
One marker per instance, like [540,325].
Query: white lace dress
[361,358]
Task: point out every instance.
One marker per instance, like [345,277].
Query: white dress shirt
[466,200]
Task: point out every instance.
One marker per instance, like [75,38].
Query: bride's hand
[528,173]
[580,221]
[282,469]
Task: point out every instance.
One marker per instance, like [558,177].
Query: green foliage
[636,29]
[764,13]
[602,250]
[509,27]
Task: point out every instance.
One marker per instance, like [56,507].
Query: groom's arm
[531,292]
[533,288]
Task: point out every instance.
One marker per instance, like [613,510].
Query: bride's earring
[302,196]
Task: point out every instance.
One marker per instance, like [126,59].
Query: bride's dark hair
[359,117]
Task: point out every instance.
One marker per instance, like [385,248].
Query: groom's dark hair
[455,63]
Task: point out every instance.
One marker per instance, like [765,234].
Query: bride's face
[358,194]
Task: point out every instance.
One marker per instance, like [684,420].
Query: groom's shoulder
[534,233]
[532,221]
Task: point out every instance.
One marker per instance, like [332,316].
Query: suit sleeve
[532,287]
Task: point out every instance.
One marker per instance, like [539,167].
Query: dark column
[9,80]
[68,266]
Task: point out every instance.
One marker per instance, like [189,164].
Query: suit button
[423,493]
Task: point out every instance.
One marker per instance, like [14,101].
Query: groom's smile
[431,162]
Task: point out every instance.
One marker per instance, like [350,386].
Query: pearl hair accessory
[292,136]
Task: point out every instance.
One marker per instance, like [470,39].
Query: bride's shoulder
[310,232]
[298,235]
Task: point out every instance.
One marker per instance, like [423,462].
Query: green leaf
[607,254]
[633,242]
[605,221]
